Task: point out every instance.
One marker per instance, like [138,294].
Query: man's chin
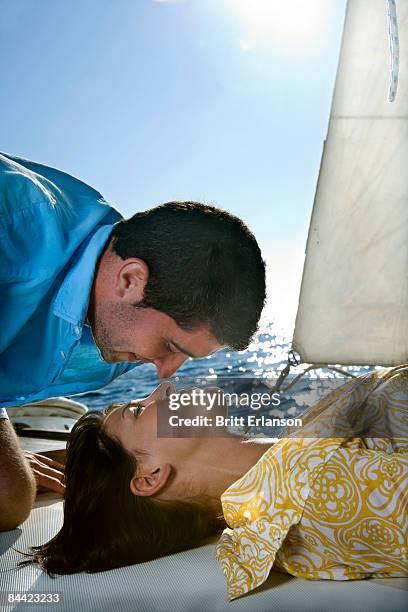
[111,359]
[109,356]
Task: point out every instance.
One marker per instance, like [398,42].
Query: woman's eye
[138,409]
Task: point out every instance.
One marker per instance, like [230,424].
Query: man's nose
[168,365]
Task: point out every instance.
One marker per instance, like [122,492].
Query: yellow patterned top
[319,505]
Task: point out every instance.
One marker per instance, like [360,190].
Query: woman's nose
[163,390]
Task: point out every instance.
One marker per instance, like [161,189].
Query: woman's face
[135,426]
[165,465]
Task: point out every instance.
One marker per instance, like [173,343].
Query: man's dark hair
[205,267]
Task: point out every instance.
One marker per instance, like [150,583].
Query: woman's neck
[218,465]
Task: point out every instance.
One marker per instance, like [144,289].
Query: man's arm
[17,482]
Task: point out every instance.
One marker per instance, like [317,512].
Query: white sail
[353,306]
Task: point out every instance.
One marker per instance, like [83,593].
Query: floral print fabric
[322,506]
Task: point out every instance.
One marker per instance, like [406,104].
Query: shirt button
[62,354]
[77,330]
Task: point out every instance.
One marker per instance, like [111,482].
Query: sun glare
[293,26]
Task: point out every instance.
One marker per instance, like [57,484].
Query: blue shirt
[53,229]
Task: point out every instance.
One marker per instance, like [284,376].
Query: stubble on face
[111,327]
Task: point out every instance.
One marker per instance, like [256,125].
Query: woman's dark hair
[106,526]
[205,267]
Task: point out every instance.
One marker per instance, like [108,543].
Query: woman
[318,505]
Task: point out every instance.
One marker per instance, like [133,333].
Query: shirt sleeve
[262,506]
[353,522]
[42,226]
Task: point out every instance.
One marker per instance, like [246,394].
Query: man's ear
[151,482]
[131,279]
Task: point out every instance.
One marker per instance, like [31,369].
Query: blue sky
[223,101]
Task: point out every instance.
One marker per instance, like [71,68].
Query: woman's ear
[151,482]
[131,280]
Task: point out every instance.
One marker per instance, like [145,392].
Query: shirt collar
[72,299]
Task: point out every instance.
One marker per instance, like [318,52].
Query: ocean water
[261,361]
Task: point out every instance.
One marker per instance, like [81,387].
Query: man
[87,296]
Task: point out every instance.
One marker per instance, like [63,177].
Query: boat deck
[187,581]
